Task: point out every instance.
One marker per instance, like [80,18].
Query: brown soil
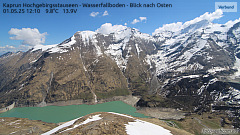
[20,126]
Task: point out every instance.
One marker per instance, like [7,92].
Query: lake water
[56,114]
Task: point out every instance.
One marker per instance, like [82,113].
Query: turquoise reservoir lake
[56,114]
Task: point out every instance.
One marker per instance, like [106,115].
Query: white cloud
[135,21]
[207,16]
[143,19]
[10,47]
[108,28]
[7,47]
[125,23]
[105,13]
[23,47]
[174,27]
[29,36]
[94,14]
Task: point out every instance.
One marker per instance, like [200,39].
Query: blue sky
[62,26]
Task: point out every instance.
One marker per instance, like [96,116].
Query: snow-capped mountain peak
[196,26]
[87,35]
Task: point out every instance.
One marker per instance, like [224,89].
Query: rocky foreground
[21,126]
[93,124]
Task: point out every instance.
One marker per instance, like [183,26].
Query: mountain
[200,63]
[88,66]
[193,68]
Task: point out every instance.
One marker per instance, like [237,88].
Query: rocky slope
[113,123]
[87,66]
[93,124]
[20,126]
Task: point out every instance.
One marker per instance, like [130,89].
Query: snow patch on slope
[216,69]
[62,48]
[43,47]
[189,53]
[116,50]
[232,96]
[90,36]
[123,35]
[194,66]
[139,127]
[91,119]
[144,36]
[56,48]
[138,49]
[205,86]
[166,59]
[87,36]
[237,67]
[191,76]
[69,123]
